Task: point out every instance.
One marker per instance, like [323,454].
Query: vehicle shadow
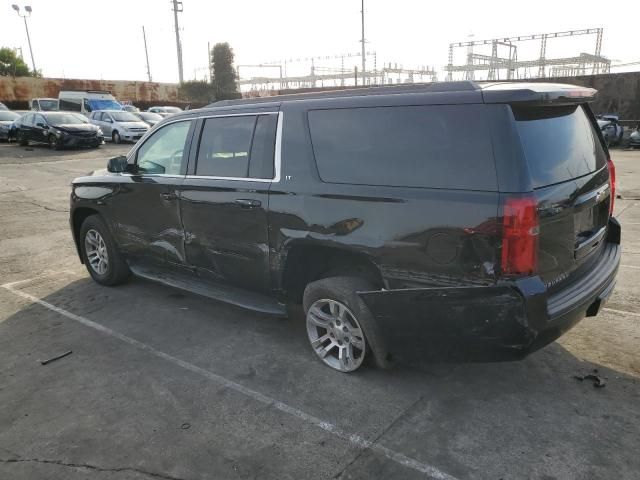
[524,419]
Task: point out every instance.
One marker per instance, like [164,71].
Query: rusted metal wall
[17,91]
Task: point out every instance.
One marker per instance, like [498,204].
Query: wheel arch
[78,217]
[304,263]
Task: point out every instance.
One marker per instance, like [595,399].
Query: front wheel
[104,263]
[116,138]
[53,142]
[340,327]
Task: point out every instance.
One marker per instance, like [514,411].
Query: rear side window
[435,146]
[559,143]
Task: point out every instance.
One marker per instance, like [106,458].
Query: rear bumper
[500,322]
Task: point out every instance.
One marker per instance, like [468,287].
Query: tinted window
[224,147]
[39,119]
[559,143]
[440,146]
[261,163]
[71,104]
[164,151]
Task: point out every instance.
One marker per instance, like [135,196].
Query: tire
[23,142]
[115,137]
[322,301]
[53,142]
[116,270]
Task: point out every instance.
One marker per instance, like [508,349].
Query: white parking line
[356,440]
[621,312]
[630,266]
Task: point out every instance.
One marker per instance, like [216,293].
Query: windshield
[124,117]
[7,115]
[172,109]
[100,104]
[150,116]
[48,105]
[65,119]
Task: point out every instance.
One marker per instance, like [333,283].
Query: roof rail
[462,86]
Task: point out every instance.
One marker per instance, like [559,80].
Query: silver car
[148,117]
[119,125]
[165,111]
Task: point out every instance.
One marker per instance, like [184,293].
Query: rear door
[224,200]
[567,163]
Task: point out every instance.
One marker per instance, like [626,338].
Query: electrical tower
[503,60]
[177,8]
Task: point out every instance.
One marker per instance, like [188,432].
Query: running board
[223,293]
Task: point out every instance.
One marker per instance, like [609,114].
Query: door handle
[168,195]
[248,203]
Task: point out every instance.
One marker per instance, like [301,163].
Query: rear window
[435,146]
[559,143]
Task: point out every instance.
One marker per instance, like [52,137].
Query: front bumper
[132,136]
[500,322]
[77,141]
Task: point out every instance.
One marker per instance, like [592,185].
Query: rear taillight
[520,231]
[612,183]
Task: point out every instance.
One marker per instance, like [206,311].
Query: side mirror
[117,164]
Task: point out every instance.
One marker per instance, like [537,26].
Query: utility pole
[146,53]
[363,74]
[177,8]
[211,64]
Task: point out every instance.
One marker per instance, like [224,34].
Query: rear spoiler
[536,93]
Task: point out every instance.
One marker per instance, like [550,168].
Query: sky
[91,39]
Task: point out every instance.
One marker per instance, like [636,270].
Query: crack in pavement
[90,467]
[37,205]
[402,415]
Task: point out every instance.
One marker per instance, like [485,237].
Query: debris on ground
[598,381]
[185,426]
[57,357]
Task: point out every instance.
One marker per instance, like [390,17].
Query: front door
[225,199]
[146,209]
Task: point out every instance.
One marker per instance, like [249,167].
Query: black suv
[452,219]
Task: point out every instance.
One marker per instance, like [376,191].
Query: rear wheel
[340,327]
[104,263]
[115,136]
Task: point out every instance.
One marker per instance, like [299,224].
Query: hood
[139,124]
[635,134]
[76,127]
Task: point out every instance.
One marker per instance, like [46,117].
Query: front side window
[224,147]
[164,151]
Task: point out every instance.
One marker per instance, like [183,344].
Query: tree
[197,91]
[12,65]
[224,74]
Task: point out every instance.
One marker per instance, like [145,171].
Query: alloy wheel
[96,250]
[336,335]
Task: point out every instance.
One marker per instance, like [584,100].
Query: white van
[87,101]
[44,104]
